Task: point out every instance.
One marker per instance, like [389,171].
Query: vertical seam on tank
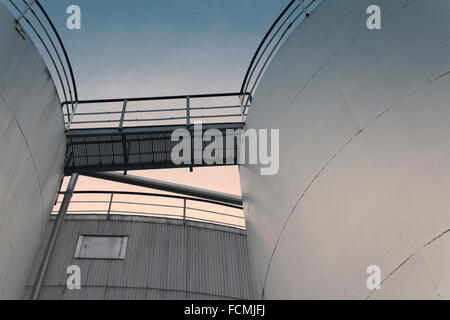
[28,148]
[300,198]
[347,104]
[407,259]
[427,268]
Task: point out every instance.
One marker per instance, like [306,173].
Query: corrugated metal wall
[164,260]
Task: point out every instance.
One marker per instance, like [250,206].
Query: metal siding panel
[27,293]
[125,294]
[86,293]
[52,293]
[163,261]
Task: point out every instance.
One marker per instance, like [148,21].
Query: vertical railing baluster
[68,117]
[184,211]
[122,116]
[109,207]
[71,115]
[188,124]
[241,103]
[188,111]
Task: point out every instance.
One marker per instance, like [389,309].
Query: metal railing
[293,14]
[154,205]
[165,110]
[37,20]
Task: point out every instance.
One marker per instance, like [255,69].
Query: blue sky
[144,47]
[164,47]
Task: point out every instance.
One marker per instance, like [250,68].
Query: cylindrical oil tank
[32,148]
[364,176]
[161,259]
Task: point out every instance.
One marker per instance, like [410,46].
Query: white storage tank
[364,173]
[32,148]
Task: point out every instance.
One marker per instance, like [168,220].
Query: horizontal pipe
[168,186]
[160,195]
[231,115]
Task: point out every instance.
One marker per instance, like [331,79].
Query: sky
[164,47]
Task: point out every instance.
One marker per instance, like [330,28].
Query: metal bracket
[19,28]
[302,3]
[22,14]
[71,116]
[21,31]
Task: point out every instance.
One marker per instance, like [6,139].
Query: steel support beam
[53,237]
[169,187]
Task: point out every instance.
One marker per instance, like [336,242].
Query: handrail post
[53,237]
[188,111]
[243,109]
[109,207]
[71,116]
[22,14]
[122,117]
[184,211]
[188,124]
[302,3]
[124,139]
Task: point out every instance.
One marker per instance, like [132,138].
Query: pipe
[168,186]
[54,235]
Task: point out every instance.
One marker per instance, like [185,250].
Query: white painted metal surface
[364,156]
[32,147]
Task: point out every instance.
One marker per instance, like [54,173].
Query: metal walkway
[94,146]
[131,134]
[136,133]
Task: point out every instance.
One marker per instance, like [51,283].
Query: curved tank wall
[164,259]
[364,173]
[32,147]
